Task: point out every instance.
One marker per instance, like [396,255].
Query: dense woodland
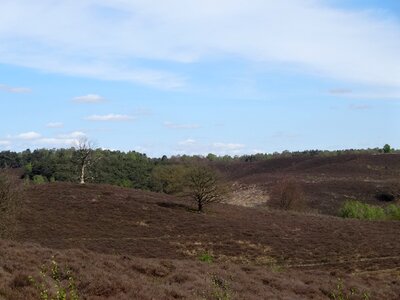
[133,169]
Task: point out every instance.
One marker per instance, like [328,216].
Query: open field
[100,276]
[122,243]
[113,220]
[326,181]
[200,150]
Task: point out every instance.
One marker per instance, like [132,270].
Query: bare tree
[204,187]
[84,156]
[287,194]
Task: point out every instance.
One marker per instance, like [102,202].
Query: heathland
[277,232]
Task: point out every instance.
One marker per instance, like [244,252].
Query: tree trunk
[199,206]
[83,174]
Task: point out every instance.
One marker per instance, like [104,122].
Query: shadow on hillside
[173,205]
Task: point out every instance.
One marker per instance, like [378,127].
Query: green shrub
[387,148]
[126,183]
[358,210]
[220,289]
[55,283]
[206,257]
[39,179]
[393,212]
[343,293]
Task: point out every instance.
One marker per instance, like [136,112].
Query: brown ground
[129,244]
[256,252]
[327,181]
[100,276]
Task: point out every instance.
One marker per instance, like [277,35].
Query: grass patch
[206,257]
[343,293]
[55,283]
[362,211]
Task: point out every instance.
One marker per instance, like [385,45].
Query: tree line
[133,169]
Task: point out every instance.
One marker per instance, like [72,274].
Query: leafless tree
[84,156]
[287,194]
[204,187]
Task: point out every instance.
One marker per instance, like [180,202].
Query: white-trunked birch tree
[84,157]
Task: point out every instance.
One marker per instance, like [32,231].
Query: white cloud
[108,37]
[75,134]
[187,142]
[5,143]
[15,90]
[62,140]
[109,117]
[56,142]
[91,98]
[258,151]
[31,135]
[34,139]
[228,146]
[172,125]
[194,147]
[54,125]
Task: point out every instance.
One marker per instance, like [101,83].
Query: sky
[173,77]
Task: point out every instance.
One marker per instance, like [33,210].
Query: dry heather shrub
[287,194]
[8,206]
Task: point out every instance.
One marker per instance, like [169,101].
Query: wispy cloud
[15,90]
[34,139]
[194,147]
[172,125]
[187,142]
[368,93]
[91,98]
[74,134]
[307,34]
[110,117]
[55,125]
[31,135]
[359,107]
[5,143]
[70,139]
[56,142]
[228,146]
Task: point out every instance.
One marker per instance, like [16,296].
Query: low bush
[39,179]
[343,293]
[55,283]
[393,212]
[287,194]
[358,210]
[206,257]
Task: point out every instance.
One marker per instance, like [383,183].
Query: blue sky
[174,76]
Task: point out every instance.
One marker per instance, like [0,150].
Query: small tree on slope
[204,187]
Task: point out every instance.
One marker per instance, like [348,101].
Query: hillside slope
[113,220]
[99,276]
[130,244]
[327,181]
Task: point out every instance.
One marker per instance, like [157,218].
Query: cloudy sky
[199,76]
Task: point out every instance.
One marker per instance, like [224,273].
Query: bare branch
[84,152]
